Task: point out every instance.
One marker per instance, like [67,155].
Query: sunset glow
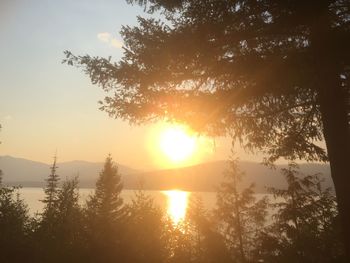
[172,145]
[176,143]
[176,205]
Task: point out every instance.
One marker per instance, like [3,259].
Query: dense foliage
[272,74]
[299,224]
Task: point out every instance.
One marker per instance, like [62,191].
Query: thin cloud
[106,37]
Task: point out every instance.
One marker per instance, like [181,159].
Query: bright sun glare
[177,204]
[177,144]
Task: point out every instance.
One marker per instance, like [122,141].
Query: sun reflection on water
[177,202]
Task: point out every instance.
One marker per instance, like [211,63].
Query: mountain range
[201,177]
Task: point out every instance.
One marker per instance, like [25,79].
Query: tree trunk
[333,100]
[333,104]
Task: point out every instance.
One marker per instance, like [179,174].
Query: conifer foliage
[300,224]
[145,235]
[51,192]
[272,74]
[305,224]
[240,214]
[106,202]
[105,214]
[14,226]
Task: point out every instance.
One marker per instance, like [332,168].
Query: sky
[47,106]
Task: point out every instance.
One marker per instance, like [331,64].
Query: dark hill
[30,173]
[207,176]
[201,177]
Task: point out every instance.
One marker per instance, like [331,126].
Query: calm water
[175,202]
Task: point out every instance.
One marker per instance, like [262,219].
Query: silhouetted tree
[58,235]
[240,215]
[0,169]
[45,236]
[145,237]
[51,194]
[69,228]
[44,232]
[196,239]
[104,215]
[179,239]
[305,227]
[273,74]
[14,226]
[208,245]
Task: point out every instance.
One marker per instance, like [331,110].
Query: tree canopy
[247,68]
[272,74]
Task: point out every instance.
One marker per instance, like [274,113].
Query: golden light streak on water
[177,202]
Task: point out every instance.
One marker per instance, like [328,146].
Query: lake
[175,202]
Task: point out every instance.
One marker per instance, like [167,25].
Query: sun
[177,144]
[174,145]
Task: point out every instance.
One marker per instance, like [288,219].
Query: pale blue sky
[46,105]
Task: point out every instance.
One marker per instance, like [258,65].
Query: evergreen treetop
[106,201]
[51,190]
